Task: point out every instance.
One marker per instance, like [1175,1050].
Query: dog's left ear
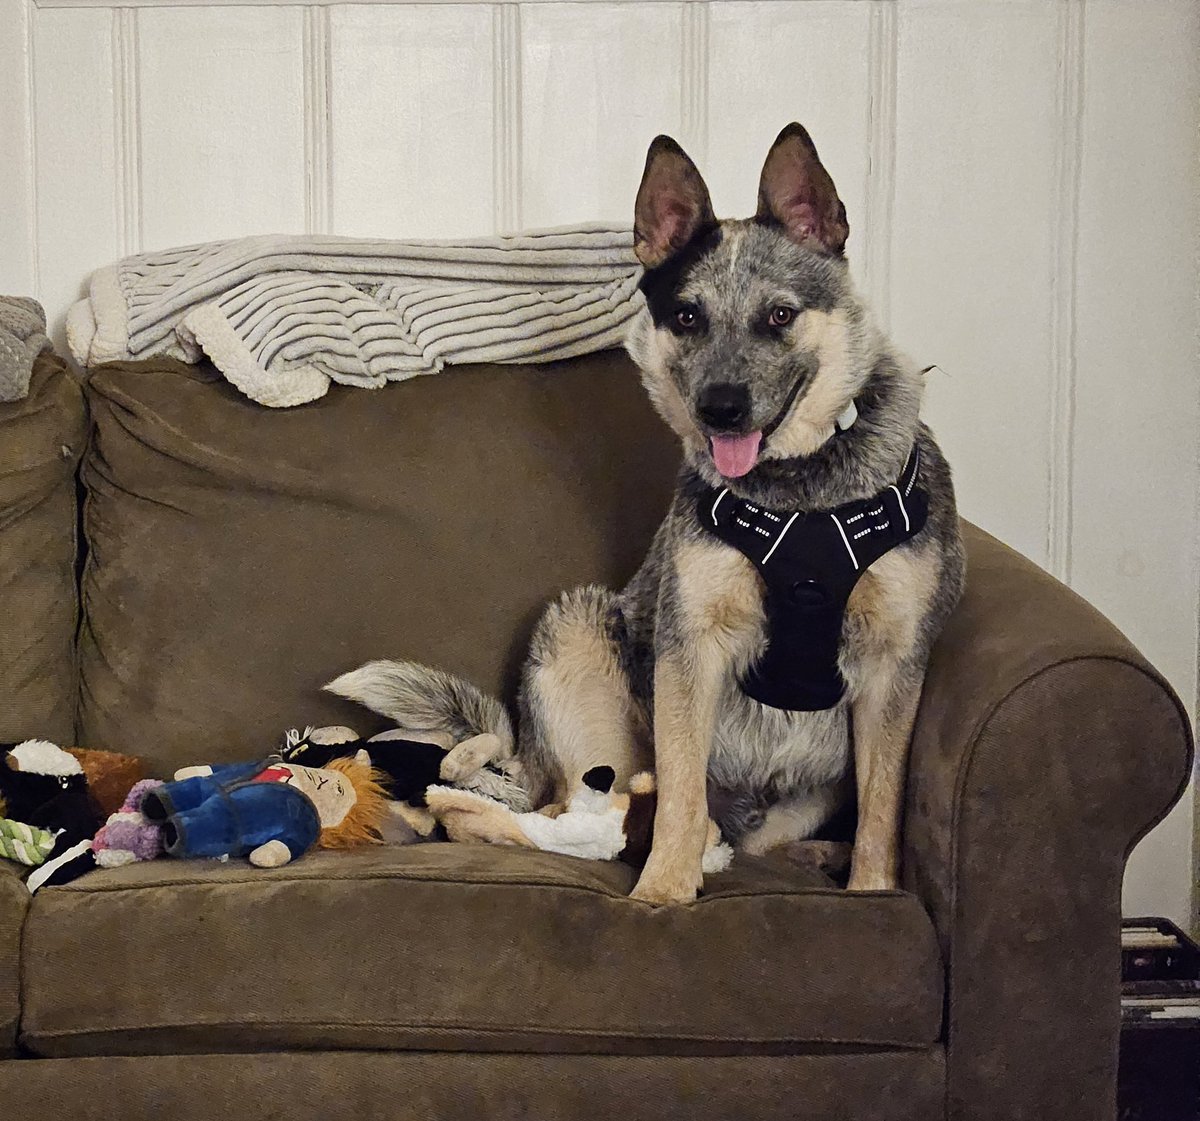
[796,191]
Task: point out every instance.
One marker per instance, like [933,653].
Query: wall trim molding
[1069,101]
[318,163]
[506,117]
[693,73]
[127,121]
[882,49]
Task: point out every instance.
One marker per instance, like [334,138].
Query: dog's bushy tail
[420,697]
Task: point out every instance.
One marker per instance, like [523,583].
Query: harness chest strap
[810,562]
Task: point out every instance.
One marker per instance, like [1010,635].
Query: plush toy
[110,776]
[596,823]
[26,844]
[270,811]
[129,835]
[413,761]
[44,787]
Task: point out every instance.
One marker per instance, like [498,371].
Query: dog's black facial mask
[734,295]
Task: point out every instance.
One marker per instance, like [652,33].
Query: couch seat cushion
[455,947]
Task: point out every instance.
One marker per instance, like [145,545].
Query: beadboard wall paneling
[1137,407]
[412,107]
[18,231]
[595,79]
[975,209]
[78,89]
[221,109]
[1020,177]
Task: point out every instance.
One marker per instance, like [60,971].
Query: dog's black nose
[724,405]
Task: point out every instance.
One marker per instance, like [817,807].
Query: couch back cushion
[240,557]
[41,439]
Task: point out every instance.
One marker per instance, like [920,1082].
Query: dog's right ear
[672,204]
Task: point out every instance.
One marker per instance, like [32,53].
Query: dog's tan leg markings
[795,819]
[584,701]
[685,713]
[716,625]
[471,756]
[885,613]
[883,721]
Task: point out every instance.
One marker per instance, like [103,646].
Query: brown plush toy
[110,776]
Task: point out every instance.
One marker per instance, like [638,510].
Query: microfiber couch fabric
[236,558]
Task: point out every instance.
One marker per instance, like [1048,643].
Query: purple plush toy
[129,835]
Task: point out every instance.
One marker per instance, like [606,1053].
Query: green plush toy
[26,844]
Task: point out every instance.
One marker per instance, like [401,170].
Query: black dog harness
[810,562]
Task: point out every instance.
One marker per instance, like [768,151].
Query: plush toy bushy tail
[421,698]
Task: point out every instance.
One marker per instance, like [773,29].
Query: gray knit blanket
[282,317]
[22,339]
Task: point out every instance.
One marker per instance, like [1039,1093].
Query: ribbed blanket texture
[284,316]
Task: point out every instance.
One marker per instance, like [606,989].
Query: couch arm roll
[1045,748]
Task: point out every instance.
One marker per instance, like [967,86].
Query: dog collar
[811,561]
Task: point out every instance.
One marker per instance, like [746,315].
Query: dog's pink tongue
[735,455]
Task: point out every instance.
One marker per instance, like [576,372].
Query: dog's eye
[687,318]
[781,316]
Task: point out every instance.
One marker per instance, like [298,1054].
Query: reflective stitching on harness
[782,534]
[853,558]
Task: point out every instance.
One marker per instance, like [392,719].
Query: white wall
[1021,178]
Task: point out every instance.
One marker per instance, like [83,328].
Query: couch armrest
[1044,749]
[14,902]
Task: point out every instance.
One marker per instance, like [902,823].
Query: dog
[768,656]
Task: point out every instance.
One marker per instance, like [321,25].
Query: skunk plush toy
[43,786]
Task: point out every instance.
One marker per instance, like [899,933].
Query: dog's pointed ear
[796,191]
[672,204]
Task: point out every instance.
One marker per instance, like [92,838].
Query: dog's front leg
[685,701]
[710,616]
[883,718]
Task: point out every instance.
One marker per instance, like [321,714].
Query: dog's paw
[469,757]
[661,891]
[872,879]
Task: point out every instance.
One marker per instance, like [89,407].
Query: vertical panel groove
[506,116]
[1068,110]
[694,80]
[31,152]
[318,178]
[127,118]
[880,189]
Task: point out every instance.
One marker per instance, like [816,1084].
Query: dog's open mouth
[735,456]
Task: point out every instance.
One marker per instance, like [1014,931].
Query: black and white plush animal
[44,786]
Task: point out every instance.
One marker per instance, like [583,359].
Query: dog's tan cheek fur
[810,422]
[653,350]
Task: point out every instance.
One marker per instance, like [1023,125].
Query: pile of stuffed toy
[65,811]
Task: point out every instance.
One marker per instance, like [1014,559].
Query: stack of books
[1160,1023]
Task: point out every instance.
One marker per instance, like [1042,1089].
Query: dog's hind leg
[796,818]
[577,707]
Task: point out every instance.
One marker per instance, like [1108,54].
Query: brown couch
[236,558]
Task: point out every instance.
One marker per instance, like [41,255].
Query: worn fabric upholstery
[41,439]
[14,902]
[1044,747]
[242,557]
[820,1086]
[454,947]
